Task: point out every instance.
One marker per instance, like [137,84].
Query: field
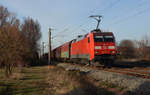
[31,81]
[54,81]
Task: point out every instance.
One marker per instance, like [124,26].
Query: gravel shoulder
[134,85]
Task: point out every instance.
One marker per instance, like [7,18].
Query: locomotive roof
[98,31]
[103,33]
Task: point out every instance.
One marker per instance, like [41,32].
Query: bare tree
[127,49]
[31,30]
[13,44]
[4,16]
[18,43]
[143,50]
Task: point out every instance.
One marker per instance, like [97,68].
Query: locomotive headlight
[96,52]
[98,47]
[111,47]
[113,51]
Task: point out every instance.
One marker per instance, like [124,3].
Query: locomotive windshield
[108,39]
[103,38]
[98,38]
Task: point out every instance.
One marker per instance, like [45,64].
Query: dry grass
[53,80]
[62,82]
[59,81]
[31,81]
[16,76]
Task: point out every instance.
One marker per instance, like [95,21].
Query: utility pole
[49,46]
[40,52]
[43,43]
[98,18]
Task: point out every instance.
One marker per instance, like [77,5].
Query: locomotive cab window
[108,39]
[98,38]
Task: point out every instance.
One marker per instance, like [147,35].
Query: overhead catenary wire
[130,16]
[108,7]
[133,9]
[143,3]
[60,33]
[91,12]
[111,5]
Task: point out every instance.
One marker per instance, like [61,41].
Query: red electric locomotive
[94,46]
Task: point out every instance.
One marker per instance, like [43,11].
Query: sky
[127,19]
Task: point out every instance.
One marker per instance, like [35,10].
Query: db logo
[104,47]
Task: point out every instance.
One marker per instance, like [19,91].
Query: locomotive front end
[104,46]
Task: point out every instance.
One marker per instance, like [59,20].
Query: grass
[52,81]
[29,82]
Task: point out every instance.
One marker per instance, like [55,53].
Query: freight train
[94,46]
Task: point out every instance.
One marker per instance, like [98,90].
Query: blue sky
[127,19]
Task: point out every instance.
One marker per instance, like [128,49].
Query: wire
[139,5]
[131,16]
[111,5]
[59,33]
[81,25]
[107,8]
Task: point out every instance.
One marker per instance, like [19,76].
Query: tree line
[128,49]
[18,41]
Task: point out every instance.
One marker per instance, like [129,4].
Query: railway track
[133,73]
[138,72]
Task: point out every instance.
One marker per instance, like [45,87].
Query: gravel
[134,85]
